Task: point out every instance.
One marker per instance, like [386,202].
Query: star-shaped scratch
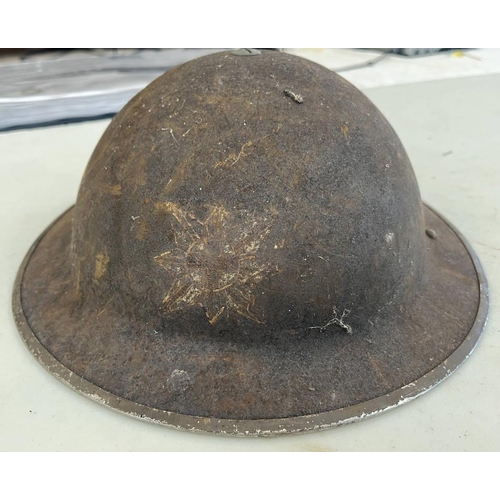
[215,263]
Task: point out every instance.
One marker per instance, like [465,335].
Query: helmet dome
[246,191]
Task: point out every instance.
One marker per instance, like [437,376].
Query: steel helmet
[249,254]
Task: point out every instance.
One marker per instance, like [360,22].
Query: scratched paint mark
[345,132]
[141,228]
[101,264]
[115,190]
[233,158]
[216,262]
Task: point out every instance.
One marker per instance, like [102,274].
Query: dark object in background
[417,52]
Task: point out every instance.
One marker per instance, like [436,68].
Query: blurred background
[51,86]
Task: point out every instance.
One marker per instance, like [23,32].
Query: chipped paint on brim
[259,427]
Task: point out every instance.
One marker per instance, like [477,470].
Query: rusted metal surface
[238,254]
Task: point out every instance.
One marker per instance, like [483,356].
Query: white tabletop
[450,129]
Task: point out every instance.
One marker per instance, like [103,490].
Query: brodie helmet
[249,254]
